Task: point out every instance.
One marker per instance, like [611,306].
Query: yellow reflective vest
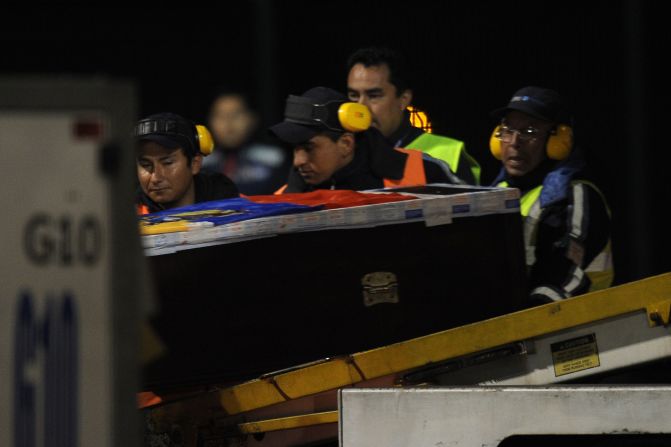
[600,269]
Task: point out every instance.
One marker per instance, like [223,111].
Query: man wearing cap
[329,156]
[377,78]
[566,219]
[170,152]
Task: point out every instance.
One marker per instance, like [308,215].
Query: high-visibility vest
[447,149]
[600,270]
[413,173]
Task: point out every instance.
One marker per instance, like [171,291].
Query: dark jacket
[255,168]
[208,185]
[571,231]
[374,160]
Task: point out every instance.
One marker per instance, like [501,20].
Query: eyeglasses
[526,135]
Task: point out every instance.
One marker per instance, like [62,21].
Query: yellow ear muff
[205,140]
[354,117]
[495,143]
[560,142]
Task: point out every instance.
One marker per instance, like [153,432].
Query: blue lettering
[54,340]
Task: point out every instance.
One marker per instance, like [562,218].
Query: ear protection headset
[197,135]
[334,115]
[557,147]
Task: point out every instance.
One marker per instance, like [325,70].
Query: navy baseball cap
[170,130]
[299,125]
[538,102]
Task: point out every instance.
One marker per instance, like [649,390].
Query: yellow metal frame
[652,295]
[286,423]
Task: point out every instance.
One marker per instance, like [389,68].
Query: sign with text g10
[57,370]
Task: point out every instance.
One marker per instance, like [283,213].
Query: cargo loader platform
[573,341]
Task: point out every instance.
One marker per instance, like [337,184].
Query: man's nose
[157,173]
[300,157]
[515,138]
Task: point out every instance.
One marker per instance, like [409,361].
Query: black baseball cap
[170,130]
[538,102]
[299,125]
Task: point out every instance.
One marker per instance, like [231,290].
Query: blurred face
[231,121]
[165,175]
[523,139]
[320,157]
[371,86]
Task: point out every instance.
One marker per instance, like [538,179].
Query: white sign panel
[55,328]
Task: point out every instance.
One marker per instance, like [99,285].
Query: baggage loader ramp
[571,341]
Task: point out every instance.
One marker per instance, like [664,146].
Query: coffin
[235,303]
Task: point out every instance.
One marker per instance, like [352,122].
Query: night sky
[467,58]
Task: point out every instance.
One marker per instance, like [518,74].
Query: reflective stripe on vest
[281,189]
[530,208]
[600,270]
[142,209]
[528,199]
[413,174]
[447,149]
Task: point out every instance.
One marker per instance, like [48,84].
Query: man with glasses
[566,219]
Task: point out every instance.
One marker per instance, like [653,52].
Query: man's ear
[346,144]
[196,163]
[406,98]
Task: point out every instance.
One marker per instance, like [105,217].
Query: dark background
[606,57]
